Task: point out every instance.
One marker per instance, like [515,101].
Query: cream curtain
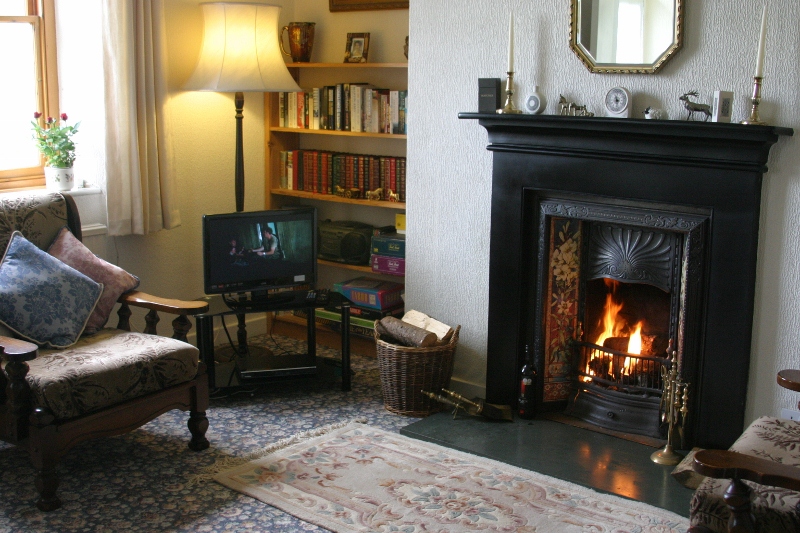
[140,179]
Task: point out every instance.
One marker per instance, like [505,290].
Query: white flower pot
[59,179]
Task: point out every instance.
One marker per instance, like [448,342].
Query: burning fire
[616,326]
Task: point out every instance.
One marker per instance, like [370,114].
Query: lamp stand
[238,182]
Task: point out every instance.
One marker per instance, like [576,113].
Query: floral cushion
[114,279]
[38,216]
[774,508]
[41,298]
[106,369]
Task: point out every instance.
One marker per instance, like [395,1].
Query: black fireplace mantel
[710,168]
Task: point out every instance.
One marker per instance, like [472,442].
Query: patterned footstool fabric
[774,508]
[107,368]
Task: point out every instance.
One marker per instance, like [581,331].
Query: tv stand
[257,299]
[271,367]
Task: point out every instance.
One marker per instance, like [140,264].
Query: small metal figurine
[571,109]
[653,113]
[393,196]
[674,410]
[377,194]
[694,107]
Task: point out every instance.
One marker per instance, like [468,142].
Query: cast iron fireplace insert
[710,171]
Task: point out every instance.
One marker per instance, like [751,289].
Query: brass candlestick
[509,108]
[755,100]
[674,410]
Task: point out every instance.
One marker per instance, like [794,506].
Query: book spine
[394,111]
[315,98]
[339,111]
[283,164]
[402,112]
[301,110]
[282,109]
[331,90]
[291,109]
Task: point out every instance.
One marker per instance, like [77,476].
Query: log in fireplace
[654,223]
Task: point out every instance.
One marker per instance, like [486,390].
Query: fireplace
[659,215]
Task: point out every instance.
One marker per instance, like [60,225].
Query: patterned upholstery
[774,508]
[106,369]
[38,216]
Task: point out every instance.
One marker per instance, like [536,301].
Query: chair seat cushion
[106,369]
[774,509]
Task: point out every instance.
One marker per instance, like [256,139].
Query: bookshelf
[329,206]
[279,138]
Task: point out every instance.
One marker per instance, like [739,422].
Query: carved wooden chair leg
[19,395]
[180,327]
[44,459]
[124,314]
[737,496]
[198,425]
[151,319]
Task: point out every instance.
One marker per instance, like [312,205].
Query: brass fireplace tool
[674,410]
[476,407]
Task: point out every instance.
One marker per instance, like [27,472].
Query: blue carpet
[140,482]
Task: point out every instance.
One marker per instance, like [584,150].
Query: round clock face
[617,100]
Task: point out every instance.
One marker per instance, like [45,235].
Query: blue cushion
[41,298]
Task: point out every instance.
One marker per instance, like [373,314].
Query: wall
[453,43]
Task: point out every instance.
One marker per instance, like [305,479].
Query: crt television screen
[257,251]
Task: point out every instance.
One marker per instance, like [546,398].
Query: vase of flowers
[53,138]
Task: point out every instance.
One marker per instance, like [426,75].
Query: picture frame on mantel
[366,5]
[357,48]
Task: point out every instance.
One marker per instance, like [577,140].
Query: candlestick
[511,43]
[761,42]
[755,100]
[509,108]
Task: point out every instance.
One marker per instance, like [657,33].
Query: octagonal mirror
[626,36]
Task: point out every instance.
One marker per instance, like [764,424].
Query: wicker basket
[406,372]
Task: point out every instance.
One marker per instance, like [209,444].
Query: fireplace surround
[700,182]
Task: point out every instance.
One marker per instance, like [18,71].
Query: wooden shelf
[358,268]
[347,65]
[304,131]
[399,206]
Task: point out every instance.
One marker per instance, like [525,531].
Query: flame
[614,326]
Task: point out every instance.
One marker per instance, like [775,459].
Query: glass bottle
[526,404]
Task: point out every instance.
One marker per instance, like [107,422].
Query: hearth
[660,217]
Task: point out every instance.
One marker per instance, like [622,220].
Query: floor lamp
[241,53]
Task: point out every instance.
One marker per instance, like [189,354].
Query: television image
[259,250]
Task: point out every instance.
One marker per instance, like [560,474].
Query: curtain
[140,178]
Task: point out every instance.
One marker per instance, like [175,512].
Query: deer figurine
[693,107]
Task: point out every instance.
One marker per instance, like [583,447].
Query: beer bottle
[526,404]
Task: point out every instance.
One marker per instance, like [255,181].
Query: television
[255,252]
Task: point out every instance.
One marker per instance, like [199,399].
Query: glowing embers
[627,347]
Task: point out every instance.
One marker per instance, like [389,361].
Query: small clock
[535,102]
[618,102]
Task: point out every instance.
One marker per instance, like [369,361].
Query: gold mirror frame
[613,68]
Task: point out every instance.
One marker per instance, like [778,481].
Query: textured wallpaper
[455,42]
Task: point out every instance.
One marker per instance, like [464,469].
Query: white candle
[761,41]
[511,44]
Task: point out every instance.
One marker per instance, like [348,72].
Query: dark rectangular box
[488,95]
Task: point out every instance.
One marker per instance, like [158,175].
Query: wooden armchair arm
[734,465]
[168,305]
[17,350]
[181,325]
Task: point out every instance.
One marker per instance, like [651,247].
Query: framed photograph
[366,5]
[357,48]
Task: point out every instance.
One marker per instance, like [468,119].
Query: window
[29,84]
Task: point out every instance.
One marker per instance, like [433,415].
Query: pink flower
[63,116]
[36,114]
[50,120]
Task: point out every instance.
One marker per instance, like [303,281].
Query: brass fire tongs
[477,407]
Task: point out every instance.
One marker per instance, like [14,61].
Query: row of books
[323,172]
[362,320]
[356,107]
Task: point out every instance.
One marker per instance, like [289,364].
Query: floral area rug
[354,477]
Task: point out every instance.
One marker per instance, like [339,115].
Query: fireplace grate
[621,371]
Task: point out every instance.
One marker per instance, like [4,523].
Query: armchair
[763,466]
[107,383]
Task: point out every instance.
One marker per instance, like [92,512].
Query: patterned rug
[355,477]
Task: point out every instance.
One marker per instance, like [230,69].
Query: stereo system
[345,242]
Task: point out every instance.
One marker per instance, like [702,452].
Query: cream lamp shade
[240,50]
[240,53]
